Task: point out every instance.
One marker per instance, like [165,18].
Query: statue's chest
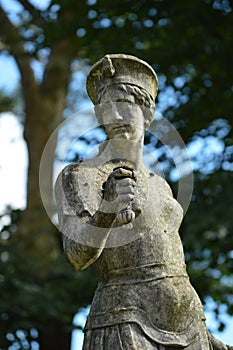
[151,242]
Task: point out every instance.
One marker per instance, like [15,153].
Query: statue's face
[121,117]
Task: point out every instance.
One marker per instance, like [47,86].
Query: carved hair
[141,97]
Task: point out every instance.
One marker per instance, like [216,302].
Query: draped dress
[144,298]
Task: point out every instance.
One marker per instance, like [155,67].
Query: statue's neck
[123,149]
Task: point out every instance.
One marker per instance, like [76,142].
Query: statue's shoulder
[64,175]
[73,167]
[158,182]
[159,188]
[76,187]
[72,171]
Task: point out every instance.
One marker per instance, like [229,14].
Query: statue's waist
[168,308]
[140,273]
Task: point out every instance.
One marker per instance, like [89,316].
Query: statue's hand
[119,190]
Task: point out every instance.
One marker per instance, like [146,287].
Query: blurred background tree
[190,45]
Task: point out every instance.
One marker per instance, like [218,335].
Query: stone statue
[122,219]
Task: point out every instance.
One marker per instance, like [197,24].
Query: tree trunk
[37,238]
[44,105]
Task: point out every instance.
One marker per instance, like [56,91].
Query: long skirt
[129,336]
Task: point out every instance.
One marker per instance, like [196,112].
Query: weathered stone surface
[123,220]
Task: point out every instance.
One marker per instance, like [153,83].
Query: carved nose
[118,116]
[115,113]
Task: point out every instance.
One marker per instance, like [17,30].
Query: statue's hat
[121,69]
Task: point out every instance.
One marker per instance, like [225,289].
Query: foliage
[190,46]
[28,301]
[6,102]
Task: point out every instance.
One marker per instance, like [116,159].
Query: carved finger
[127,181]
[124,189]
[125,197]
[125,216]
[122,172]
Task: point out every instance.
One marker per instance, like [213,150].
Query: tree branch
[33,12]
[3,46]
[14,43]
[8,32]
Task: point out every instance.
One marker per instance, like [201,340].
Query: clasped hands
[118,191]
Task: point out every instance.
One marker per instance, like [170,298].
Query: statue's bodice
[150,246]
[141,272]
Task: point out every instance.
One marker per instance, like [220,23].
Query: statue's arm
[84,235]
[83,243]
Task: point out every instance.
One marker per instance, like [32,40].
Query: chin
[123,135]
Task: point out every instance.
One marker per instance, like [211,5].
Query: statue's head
[123,79]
